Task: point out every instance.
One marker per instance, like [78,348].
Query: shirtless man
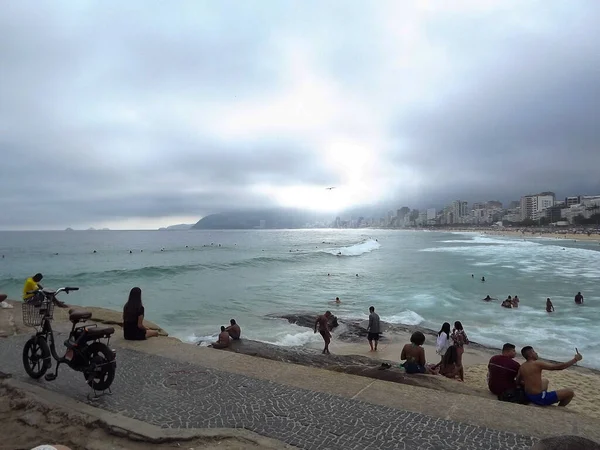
[536,387]
[549,305]
[234,330]
[323,323]
[223,341]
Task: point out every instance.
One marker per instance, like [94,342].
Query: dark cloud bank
[108,112]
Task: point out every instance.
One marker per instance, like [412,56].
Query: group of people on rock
[227,334]
[523,383]
[450,346]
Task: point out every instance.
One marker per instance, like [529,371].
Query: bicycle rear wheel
[36,357]
[101,371]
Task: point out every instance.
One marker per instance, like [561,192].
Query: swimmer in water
[483,279]
[488,298]
[337,300]
[549,305]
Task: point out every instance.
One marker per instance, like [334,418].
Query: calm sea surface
[195,281]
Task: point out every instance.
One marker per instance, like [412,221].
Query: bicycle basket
[34,313]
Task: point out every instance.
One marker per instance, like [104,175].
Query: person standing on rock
[322,323]
[460,339]
[374,328]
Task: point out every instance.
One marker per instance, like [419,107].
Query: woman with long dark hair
[459,338]
[443,341]
[133,318]
[449,365]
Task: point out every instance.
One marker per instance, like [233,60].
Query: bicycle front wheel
[36,357]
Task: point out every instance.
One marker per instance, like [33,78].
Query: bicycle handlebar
[62,289]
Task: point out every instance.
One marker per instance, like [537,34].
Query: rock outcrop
[351,364]
[566,443]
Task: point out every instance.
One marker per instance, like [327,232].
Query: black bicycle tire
[41,341]
[108,367]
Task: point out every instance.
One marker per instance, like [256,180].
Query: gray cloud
[112,111]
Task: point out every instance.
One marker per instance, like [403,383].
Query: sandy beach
[526,233]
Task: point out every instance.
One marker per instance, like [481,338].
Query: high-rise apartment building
[533,205]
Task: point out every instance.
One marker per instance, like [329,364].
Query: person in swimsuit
[449,366]
[234,330]
[515,301]
[414,355]
[223,340]
[322,323]
[549,306]
[579,299]
[459,338]
[536,387]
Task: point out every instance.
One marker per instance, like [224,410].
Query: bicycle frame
[48,333]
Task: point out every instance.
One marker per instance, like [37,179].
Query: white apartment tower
[533,205]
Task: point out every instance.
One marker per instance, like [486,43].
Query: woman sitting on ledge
[414,355]
[133,318]
[449,367]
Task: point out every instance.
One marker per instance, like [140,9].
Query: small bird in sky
[330,188]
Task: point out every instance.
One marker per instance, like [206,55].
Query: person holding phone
[536,387]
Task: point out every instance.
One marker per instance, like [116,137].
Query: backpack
[514,396]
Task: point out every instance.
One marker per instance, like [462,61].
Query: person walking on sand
[549,305]
[536,387]
[133,318]
[322,323]
[459,339]
[579,299]
[374,328]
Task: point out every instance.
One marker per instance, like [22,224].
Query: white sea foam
[355,250]
[407,317]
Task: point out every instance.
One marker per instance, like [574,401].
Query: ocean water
[195,281]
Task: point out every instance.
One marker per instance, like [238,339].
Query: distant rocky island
[89,229]
[275,218]
[181,226]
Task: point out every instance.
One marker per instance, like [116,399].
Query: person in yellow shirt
[32,284]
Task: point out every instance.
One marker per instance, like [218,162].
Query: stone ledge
[133,429]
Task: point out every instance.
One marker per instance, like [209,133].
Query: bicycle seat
[95,332]
[75,315]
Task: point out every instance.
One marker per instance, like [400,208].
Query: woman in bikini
[459,338]
[414,355]
[449,367]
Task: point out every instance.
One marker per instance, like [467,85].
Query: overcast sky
[141,114]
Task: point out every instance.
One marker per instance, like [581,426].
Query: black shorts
[373,336]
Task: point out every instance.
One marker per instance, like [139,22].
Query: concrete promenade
[175,394]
